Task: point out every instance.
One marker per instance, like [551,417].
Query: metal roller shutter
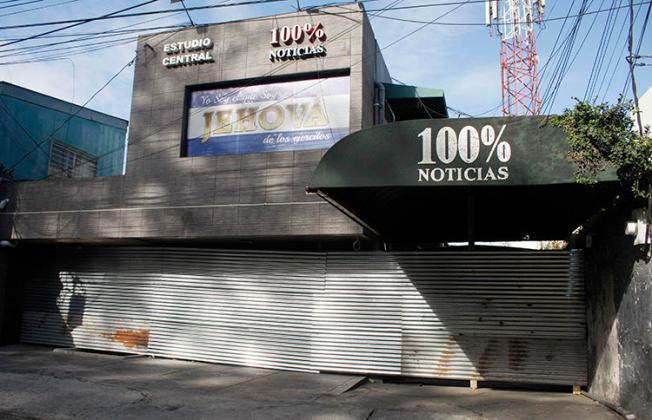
[246,308]
[516,316]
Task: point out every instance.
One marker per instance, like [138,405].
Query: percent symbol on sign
[313,32]
[488,138]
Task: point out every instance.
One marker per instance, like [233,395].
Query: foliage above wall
[603,135]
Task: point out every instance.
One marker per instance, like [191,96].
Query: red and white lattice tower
[514,21]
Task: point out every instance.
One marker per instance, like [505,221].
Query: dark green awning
[412,102]
[431,179]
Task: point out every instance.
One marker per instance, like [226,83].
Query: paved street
[38,383]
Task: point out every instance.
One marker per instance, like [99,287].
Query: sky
[461,57]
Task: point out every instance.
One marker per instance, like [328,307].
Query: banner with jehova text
[298,115]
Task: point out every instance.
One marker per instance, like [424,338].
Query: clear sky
[461,59]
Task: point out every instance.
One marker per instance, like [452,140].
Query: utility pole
[513,21]
[632,64]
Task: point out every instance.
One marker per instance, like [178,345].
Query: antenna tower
[513,21]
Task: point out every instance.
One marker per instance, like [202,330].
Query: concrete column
[619,317]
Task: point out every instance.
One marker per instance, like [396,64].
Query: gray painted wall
[619,293]
[166,196]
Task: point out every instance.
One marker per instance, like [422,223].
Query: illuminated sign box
[296,115]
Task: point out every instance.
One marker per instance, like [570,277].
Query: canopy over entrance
[460,179]
[412,102]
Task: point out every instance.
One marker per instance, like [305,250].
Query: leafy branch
[603,135]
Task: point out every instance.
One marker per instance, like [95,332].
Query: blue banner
[299,115]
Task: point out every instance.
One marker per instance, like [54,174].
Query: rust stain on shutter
[129,338]
[518,352]
[488,356]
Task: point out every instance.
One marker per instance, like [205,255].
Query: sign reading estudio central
[298,42]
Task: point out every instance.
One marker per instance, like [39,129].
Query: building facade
[168,194]
[46,137]
[212,247]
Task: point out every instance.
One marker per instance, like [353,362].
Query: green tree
[603,135]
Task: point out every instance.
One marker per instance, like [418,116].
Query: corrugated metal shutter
[246,308]
[516,316]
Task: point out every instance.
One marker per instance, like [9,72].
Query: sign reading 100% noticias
[297,34]
[456,156]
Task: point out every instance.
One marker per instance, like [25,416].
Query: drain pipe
[3,205]
[379,104]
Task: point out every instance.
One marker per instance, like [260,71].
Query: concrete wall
[374,70]
[619,297]
[166,196]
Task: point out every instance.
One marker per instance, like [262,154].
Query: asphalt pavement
[42,383]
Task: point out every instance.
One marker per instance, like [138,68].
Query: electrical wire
[638,49]
[425,25]
[252,82]
[187,13]
[605,37]
[554,50]
[593,12]
[82,107]
[39,8]
[20,4]
[100,35]
[458,3]
[389,7]
[609,69]
[38,145]
[568,64]
[116,16]
[96,35]
[332,13]
[105,34]
[77,23]
[11,1]
[562,65]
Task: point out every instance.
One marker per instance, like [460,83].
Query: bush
[600,136]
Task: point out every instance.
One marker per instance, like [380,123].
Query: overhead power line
[640,43]
[38,146]
[424,22]
[398,8]
[153,12]
[187,12]
[77,23]
[38,8]
[83,106]
[612,64]
[392,6]
[601,52]
[251,82]
[46,48]
[632,63]
[71,116]
[567,58]
[19,4]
